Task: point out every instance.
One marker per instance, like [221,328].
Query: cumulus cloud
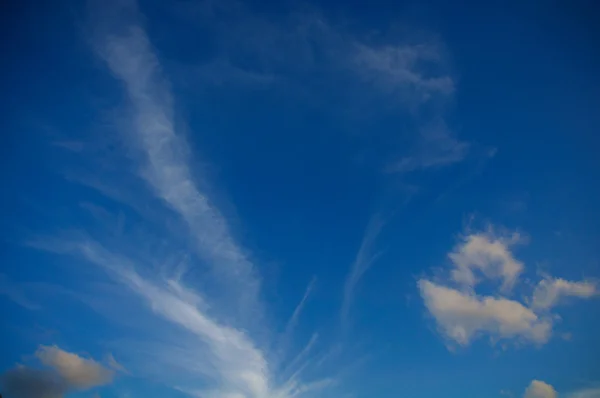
[551,291]
[488,254]
[462,316]
[540,389]
[66,372]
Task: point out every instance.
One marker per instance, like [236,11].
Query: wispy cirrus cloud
[131,58]
[208,333]
[365,258]
[11,290]
[215,358]
[400,69]
[293,321]
[302,46]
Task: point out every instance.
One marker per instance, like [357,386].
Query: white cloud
[304,43]
[462,316]
[396,67]
[131,59]
[240,366]
[363,261]
[296,314]
[550,291]
[540,389]
[435,148]
[224,360]
[487,254]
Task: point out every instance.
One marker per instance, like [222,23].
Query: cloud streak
[365,258]
[131,58]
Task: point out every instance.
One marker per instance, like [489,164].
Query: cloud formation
[363,261]
[131,59]
[401,67]
[67,372]
[488,254]
[437,147]
[540,389]
[11,290]
[551,291]
[409,76]
[462,315]
[209,340]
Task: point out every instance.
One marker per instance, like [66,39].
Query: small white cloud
[550,291]
[76,371]
[540,389]
[462,316]
[487,254]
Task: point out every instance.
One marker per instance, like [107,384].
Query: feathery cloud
[131,58]
[397,67]
[10,290]
[298,310]
[363,261]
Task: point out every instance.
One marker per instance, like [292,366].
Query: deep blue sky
[279,199]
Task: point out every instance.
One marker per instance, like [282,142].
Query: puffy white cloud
[550,291]
[540,389]
[462,316]
[487,254]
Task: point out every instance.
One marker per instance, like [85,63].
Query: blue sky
[256,199]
